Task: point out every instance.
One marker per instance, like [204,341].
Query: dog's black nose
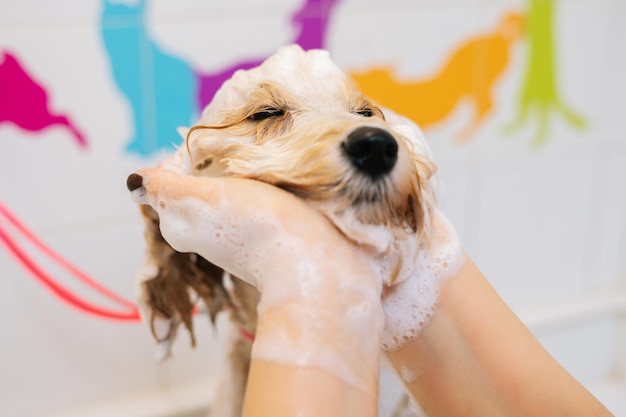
[371,150]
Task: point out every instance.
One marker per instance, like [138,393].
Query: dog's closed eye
[366,109]
[365,112]
[266,114]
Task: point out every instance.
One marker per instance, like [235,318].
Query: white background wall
[546,224]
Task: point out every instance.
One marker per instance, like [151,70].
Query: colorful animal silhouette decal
[470,74]
[159,86]
[24,101]
[311,22]
[164,91]
[540,96]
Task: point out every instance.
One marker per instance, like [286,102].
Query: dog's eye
[365,112]
[266,114]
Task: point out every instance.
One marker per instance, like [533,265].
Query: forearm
[319,318]
[476,358]
[279,390]
[302,383]
[317,348]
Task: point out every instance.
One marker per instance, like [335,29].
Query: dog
[296,122]
[469,74]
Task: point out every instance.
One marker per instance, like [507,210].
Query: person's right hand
[320,301]
[249,228]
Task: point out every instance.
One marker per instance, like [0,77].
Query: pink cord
[61,261]
[63,293]
[246,334]
[60,291]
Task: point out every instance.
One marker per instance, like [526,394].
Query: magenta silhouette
[24,102]
[310,23]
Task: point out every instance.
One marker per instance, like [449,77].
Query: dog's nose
[371,150]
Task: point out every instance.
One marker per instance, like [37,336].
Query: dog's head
[297,122]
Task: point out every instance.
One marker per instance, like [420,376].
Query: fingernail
[134,181]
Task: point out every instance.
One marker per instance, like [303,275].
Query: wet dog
[295,122]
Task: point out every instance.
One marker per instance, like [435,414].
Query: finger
[214,217]
[134,183]
[155,186]
[185,206]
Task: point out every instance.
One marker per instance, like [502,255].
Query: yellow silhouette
[540,96]
[469,74]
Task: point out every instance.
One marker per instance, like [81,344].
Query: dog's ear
[426,168]
[426,198]
[167,294]
[425,194]
[409,130]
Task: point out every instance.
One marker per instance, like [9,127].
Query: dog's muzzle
[371,150]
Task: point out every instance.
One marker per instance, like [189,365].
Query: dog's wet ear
[424,199]
[426,168]
[170,292]
[424,196]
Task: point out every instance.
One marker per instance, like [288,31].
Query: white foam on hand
[409,304]
[320,301]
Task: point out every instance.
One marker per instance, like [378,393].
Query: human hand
[320,301]
[246,227]
[409,304]
[271,238]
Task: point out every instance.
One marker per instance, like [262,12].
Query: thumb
[151,184]
[228,221]
[194,215]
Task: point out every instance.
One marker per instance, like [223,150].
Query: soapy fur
[312,109]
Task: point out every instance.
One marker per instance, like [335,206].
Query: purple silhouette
[24,102]
[311,22]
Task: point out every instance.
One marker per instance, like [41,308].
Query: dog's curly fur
[286,123]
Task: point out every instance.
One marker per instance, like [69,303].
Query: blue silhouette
[160,87]
[163,90]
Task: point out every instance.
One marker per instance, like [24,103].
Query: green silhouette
[540,95]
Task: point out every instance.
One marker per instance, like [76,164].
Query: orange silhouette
[469,74]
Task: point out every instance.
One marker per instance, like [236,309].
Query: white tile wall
[546,224]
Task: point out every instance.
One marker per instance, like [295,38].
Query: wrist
[319,317]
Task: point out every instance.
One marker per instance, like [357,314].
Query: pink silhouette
[24,102]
